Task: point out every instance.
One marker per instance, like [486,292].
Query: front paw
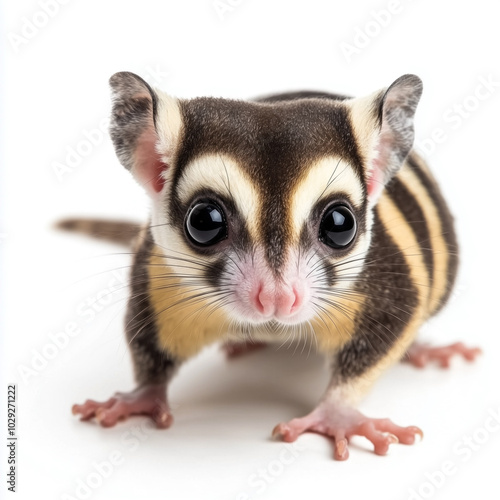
[341,423]
[148,400]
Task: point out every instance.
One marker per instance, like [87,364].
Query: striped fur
[274,166]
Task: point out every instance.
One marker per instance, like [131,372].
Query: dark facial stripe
[391,299]
[274,143]
[447,223]
[214,273]
[410,208]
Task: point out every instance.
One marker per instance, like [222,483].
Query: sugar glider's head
[264,206]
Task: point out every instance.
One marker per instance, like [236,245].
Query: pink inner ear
[375,180]
[148,166]
[158,181]
[379,166]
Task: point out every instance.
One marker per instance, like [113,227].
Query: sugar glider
[301,213]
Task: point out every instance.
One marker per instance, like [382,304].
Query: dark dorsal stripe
[447,223]
[412,212]
[385,315]
[301,94]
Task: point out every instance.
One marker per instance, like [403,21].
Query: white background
[54,91]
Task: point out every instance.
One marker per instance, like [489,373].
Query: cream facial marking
[222,174]
[327,176]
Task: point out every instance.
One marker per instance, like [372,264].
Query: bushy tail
[120,232]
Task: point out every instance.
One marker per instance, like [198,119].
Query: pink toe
[341,449]
[284,432]
[163,419]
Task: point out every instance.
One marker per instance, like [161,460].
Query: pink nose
[281,302]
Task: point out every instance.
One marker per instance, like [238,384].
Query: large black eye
[338,227]
[205,224]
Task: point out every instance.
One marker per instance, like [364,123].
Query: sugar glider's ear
[145,129]
[383,123]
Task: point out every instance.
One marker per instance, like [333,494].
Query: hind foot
[421,355]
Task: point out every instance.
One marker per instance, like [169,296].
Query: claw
[163,419]
[416,431]
[341,449]
[285,432]
[393,439]
[277,434]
